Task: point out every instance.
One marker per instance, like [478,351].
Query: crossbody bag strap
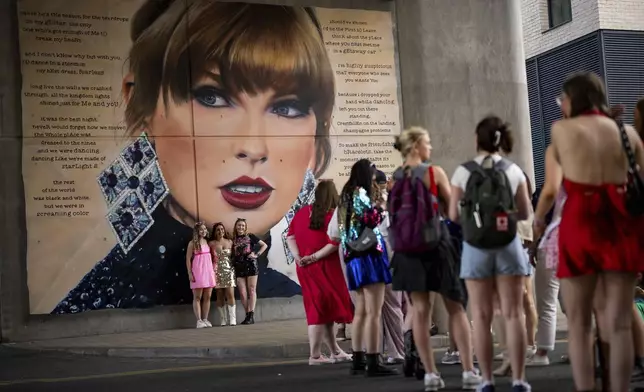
[628,149]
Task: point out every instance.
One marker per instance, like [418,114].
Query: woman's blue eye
[291,109]
[211,97]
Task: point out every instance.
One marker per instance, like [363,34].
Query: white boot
[223,319]
[232,316]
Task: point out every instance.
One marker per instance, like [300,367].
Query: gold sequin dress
[225,271]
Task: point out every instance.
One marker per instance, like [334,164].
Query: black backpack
[488,212]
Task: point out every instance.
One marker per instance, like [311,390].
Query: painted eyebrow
[215,77]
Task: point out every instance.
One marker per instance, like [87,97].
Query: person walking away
[201,273]
[324,293]
[367,267]
[601,234]
[392,315]
[489,197]
[424,258]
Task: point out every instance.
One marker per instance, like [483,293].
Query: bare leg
[358,325]
[481,294]
[205,303]
[196,303]
[243,293]
[315,341]
[460,330]
[578,301]
[252,292]
[409,316]
[422,310]
[510,289]
[374,295]
[617,321]
[230,295]
[530,311]
[220,300]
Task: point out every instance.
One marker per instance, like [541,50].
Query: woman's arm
[189,252]
[292,246]
[455,199]
[524,205]
[262,248]
[444,188]
[550,189]
[326,250]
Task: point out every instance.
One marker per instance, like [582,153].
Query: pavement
[37,371]
[270,340]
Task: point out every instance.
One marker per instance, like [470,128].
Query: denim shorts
[486,263]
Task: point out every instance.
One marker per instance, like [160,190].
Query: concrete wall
[459,60]
[587,16]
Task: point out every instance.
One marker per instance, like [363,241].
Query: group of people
[221,262]
[379,241]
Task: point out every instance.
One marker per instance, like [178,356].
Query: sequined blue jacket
[363,214]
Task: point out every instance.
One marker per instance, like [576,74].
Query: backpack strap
[503,164]
[433,188]
[472,166]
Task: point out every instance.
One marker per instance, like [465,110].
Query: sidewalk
[270,340]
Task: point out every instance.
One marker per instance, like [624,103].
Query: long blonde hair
[196,239]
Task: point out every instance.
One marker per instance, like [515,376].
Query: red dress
[324,290]
[596,233]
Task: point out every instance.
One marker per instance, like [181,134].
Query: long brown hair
[253,47]
[640,124]
[214,231]
[586,92]
[326,199]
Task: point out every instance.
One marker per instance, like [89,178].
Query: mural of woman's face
[250,151]
[240,228]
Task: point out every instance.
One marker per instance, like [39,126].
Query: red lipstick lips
[246,193]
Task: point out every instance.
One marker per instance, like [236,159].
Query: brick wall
[538,38]
[587,16]
[621,14]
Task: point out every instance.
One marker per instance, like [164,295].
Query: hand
[191,277]
[253,255]
[306,260]
[538,228]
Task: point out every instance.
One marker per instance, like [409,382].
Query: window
[559,12]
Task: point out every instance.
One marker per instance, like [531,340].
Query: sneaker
[471,380]
[500,356]
[433,382]
[341,357]
[393,361]
[321,360]
[486,386]
[521,386]
[451,358]
[201,324]
[530,351]
[208,324]
[538,360]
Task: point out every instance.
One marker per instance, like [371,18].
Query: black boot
[245,322]
[358,363]
[375,369]
[251,318]
[409,364]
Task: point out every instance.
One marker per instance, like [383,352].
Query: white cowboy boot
[223,319]
[232,316]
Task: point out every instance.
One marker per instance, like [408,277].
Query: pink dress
[203,269]
[549,246]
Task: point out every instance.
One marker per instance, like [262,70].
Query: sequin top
[362,214]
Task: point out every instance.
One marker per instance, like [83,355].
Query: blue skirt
[368,269]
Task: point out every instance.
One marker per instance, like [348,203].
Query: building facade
[566,36]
